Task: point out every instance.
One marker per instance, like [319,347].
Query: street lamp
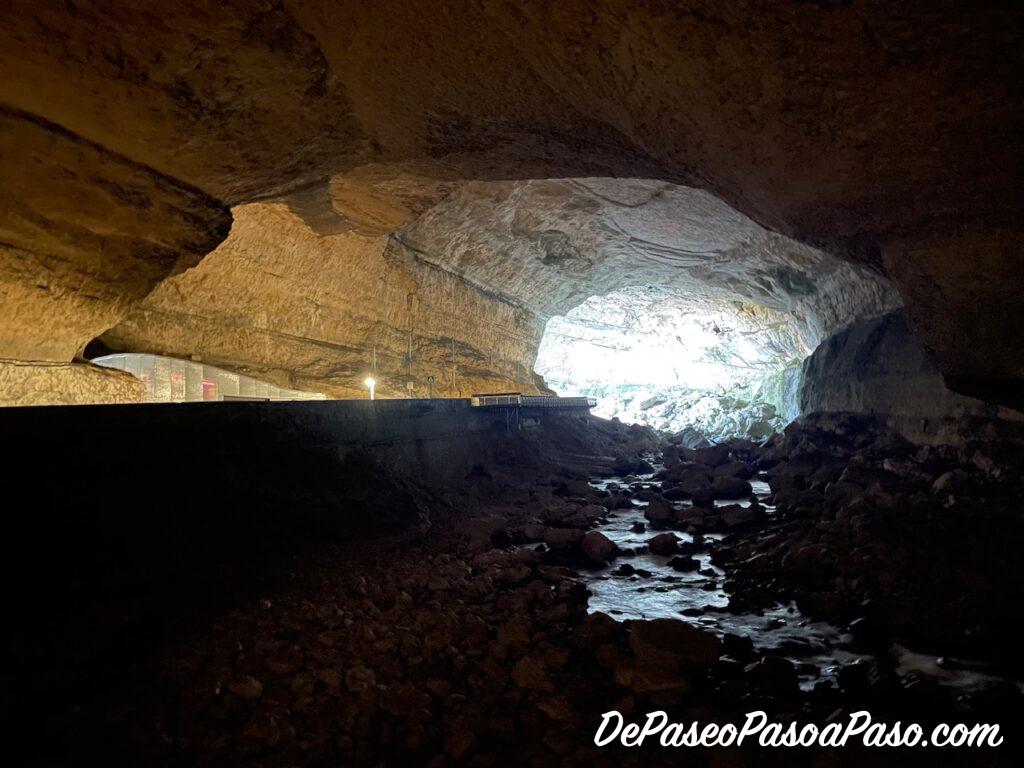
[371,383]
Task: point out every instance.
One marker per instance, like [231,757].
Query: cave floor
[500,636]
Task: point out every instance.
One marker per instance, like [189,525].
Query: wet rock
[713,455]
[734,516]
[663,544]
[739,647]
[670,456]
[637,527]
[683,563]
[986,464]
[868,633]
[573,487]
[534,532]
[560,512]
[598,548]
[730,488]
[645,493]
[739,469]
[703,497]
[948,482]
[619,501]
[772,671]
[627,466]
[563,538]
[660,512]
[860,676]
[665,653]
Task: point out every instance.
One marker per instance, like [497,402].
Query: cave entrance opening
[707,368]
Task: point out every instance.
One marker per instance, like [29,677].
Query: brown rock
[660,512]
[246,687]
[730,488]
[598,548]
[563,538]
[663,544]
[665,651]
[529,673]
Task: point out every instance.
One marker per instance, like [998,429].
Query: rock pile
[907,543]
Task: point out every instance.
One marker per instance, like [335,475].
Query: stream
[648,587]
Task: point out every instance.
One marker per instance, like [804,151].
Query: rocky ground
[473,643]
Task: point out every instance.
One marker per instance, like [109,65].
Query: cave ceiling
[884,134]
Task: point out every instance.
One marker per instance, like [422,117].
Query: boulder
[683,563]
[246,687]
[660,512]
[663,544]
[675,493]
[713,455]
[593,511]
[670,455]
[574,487]
[636,466]
[666,652]
[563,538]
[534,532]
[730,488]
[482,530]
[734,515]
[560,512]
[618,501]
[948,482]
[734,469]
[703,497]
[774,671]
[598,548]
[691,516]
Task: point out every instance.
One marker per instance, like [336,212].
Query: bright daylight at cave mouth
[703,369]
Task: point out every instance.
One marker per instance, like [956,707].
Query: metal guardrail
[516,399]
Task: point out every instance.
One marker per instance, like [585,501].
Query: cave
[512,383]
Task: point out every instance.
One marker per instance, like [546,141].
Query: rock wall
[299,296]
[886,133]
[281,303]
[26,383]
[879,367]
[85,233]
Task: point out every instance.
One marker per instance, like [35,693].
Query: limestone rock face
[552,244]
[878,367]
[66,384]
[462,293]
[283,304]
[84,233]
[885,133]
